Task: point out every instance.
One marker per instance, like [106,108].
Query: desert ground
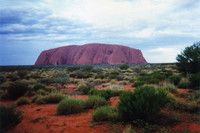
[39,113]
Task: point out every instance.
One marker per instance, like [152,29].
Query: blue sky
[160,28]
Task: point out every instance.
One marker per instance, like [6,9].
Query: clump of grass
[22,101]
[184,83]
[84,87]
[94,102]
[188,107]
[108,93]
[138,83]
[9,117]
[115,87]
[50,98]
[106,113]
[41,92]
[129,129]
[70,106]
[170,87]
[175,79]
[17,89]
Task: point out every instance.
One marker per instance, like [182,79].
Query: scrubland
[124,98]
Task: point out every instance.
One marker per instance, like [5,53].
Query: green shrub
[197,94]
[175,79]
[99,75]
[184,83]
[41,92]
[60,74]
[22,101]
[84,88]
[195,81]
[50,98]
[188,107]
[94,102]
[9,117]
[50,89]
[13,77]
[124,66]
[138,83]
[2,79]
[144,103]
[35,98]
[129,129]
[22,74]
[38,86]
[87,68]
[82,74]
[17,89]
[115,87]
[73,68]
[113,74]
[62,80]
[106,113]
[170,87]
[108,93]
[70,106]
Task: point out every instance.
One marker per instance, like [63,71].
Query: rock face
[90,54]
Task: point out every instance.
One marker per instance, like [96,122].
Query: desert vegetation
[113,98]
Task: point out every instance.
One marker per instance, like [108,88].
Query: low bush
[113,74]
[184,83]
[62,80]
[95,101]
[17,89]
[70,106]
[81,74]
[9,117]
[87,67]
[73,68]
[188,107]
[2,79]
[22,74]
[100,76]
[22,101]
[175,79]
[84,88]
[124,66]
[35,98]
[129,129]
[108,93]
[144,103]
[41,92]
[195,81]
[138,83]
[50,98]
[170,87]
[13,77]
[38,86]
[115,87]
[50,89]
[106,113]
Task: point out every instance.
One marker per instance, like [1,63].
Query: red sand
[43,119]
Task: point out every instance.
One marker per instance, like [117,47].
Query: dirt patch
[83,97]
[43,119]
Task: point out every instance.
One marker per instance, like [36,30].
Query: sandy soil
[43,119]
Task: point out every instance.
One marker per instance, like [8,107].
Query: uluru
[94,53]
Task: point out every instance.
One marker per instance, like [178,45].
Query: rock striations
[94,53]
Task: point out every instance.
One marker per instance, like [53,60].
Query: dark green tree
[189,59]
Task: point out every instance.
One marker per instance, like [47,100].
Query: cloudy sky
[160,28]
